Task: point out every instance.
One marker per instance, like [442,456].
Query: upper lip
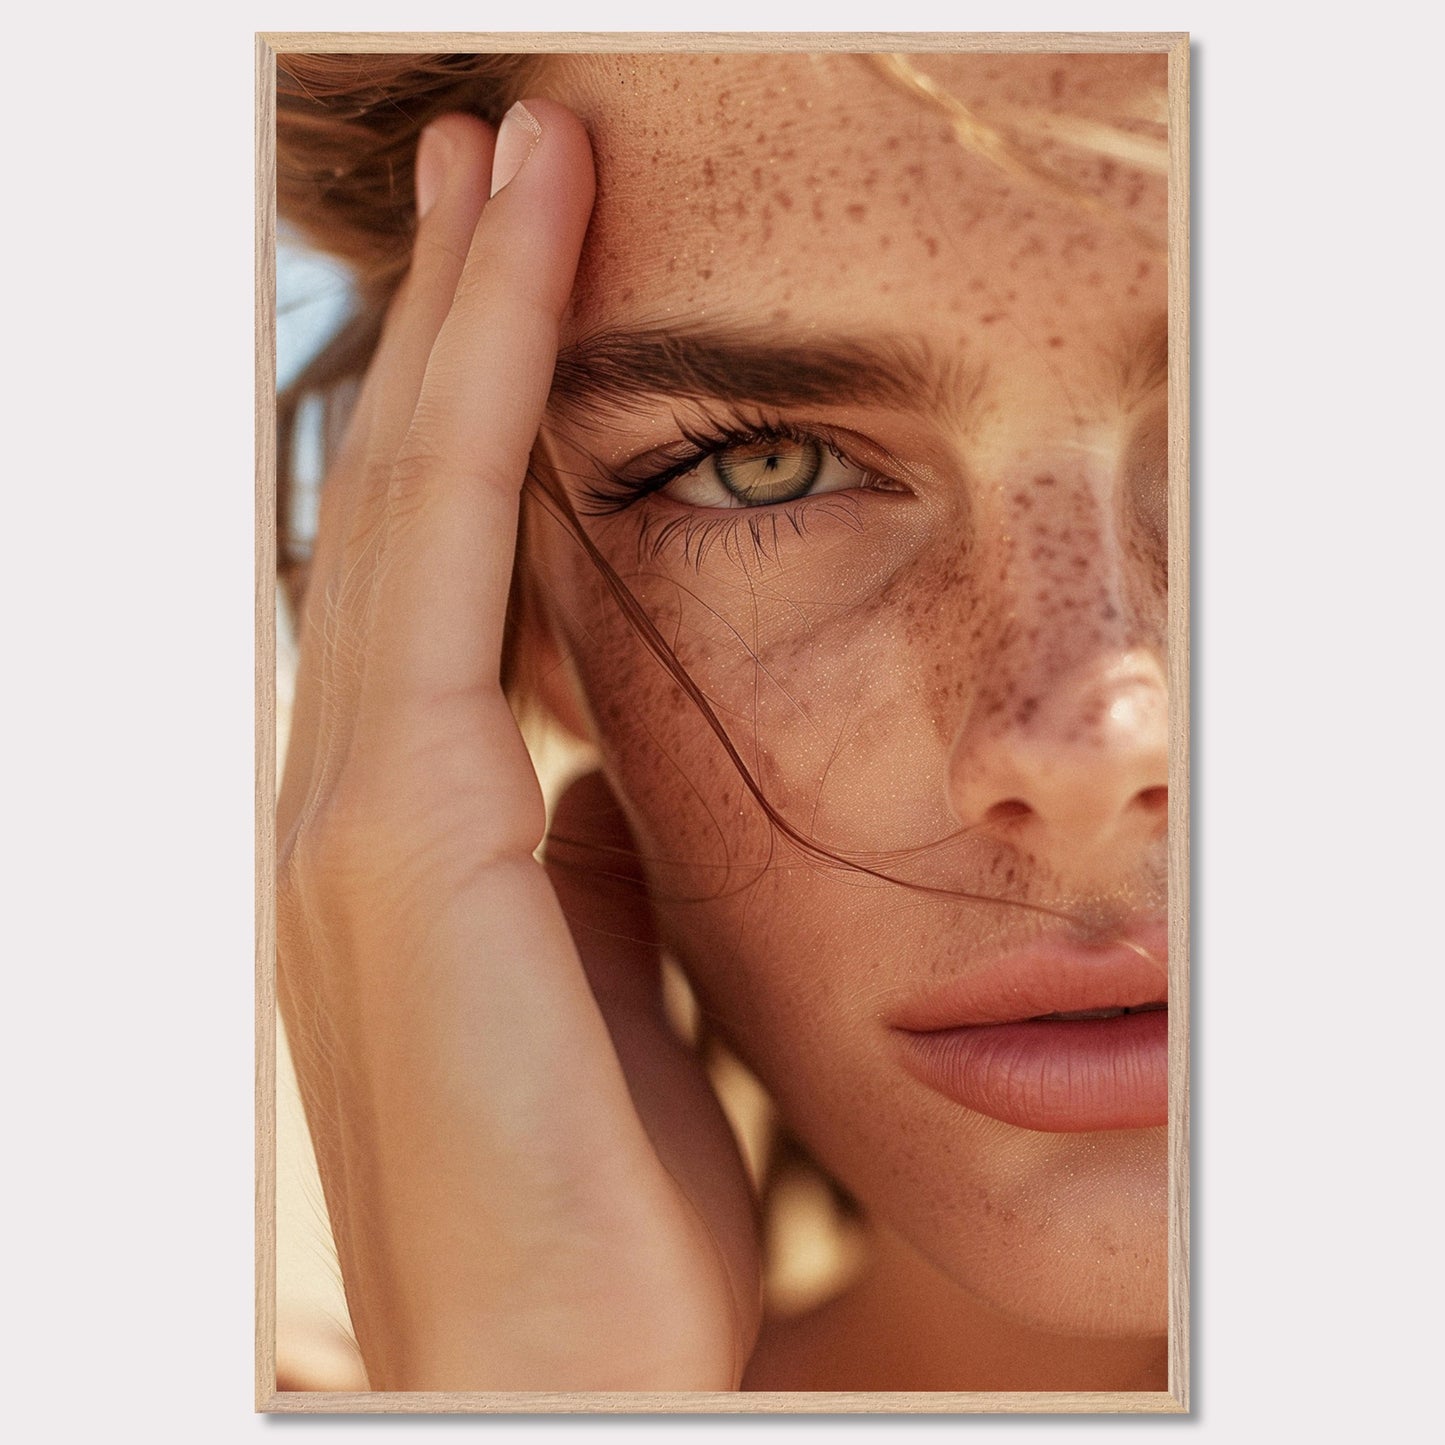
[1052,975]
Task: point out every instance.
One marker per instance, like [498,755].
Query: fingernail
[516,140]
[433,158]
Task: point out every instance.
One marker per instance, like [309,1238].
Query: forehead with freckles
[822,192]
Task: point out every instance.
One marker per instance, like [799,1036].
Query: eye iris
[773,471]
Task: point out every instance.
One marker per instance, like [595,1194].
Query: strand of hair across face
[995,147]
[542,480]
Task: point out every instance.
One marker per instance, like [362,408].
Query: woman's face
[872,423]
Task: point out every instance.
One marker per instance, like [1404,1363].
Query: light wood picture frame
[1173,1400]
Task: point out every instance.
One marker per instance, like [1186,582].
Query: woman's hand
[530,1183]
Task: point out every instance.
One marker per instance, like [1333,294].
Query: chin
[1117,1297]
[1067,1235]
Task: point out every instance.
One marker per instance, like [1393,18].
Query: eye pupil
[769,471]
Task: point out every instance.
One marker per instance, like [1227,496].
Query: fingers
[451,509]
[453,175]
[486,1167]
[454,165]
[418,529]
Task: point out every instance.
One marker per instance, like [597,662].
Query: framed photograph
[723,723]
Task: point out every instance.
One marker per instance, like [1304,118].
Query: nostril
[1154,800]
[1007,810]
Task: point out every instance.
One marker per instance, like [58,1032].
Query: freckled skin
[873,670]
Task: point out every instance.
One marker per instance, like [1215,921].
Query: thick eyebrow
[740,366]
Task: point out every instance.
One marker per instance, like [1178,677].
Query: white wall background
[127,580]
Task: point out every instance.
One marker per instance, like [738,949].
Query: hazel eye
[769,472]
[761,473]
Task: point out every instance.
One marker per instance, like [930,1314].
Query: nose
[1080,764]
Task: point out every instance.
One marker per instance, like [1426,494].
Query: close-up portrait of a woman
[723,893]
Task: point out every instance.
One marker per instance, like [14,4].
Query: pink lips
[984,1040]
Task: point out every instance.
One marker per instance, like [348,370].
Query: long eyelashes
[616,487]
[743,533]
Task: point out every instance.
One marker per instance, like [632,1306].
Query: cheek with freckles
[819,665]
[842,665]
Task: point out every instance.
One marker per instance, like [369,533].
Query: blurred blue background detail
[313,298]
[313,295]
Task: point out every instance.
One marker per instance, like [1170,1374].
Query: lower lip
[1062,1076]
